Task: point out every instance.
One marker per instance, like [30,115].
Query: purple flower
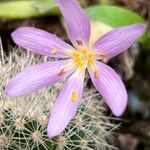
[73,65]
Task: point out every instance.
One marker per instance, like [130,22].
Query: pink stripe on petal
[118,40]
[37,76]
[65,107]
[78,24]
[110,86]
[40,42]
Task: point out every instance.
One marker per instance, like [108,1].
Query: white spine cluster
[23,120]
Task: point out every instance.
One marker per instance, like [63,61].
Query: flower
[76,59]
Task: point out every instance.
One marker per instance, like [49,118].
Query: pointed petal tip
[141,27]
[40,41]
[8,91]
[11,91]
[118,112]
[51,132]
[119,39]
[65,107]
[37,77]
[12,34]
[77,22]
[111,87]
[15,32]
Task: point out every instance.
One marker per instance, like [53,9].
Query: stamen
[74,96]
[54,51]
[102,54]
[79,42]
[96,73]
[62,72]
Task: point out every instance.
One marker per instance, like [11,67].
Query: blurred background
[133,65]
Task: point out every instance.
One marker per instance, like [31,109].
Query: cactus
[23,120]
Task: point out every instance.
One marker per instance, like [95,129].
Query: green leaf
[114,16]
[27,8]
[106,2]
[44,5]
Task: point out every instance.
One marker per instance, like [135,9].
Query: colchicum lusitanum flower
[75,61]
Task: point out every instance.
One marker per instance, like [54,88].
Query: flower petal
[78,24]
[66,105]
[118,40]
[38,76]
[40,42]
[110,86]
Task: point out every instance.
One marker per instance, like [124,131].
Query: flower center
[83,58]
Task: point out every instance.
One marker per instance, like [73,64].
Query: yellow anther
[74,96]
[54,51]
[96,73]
[79,42]
[83,57]
[102,54]
[62,72]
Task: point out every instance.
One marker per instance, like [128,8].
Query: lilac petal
[36,77]
[66,105]
[78,24]
[118,40]
[40,42]
[110,86]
